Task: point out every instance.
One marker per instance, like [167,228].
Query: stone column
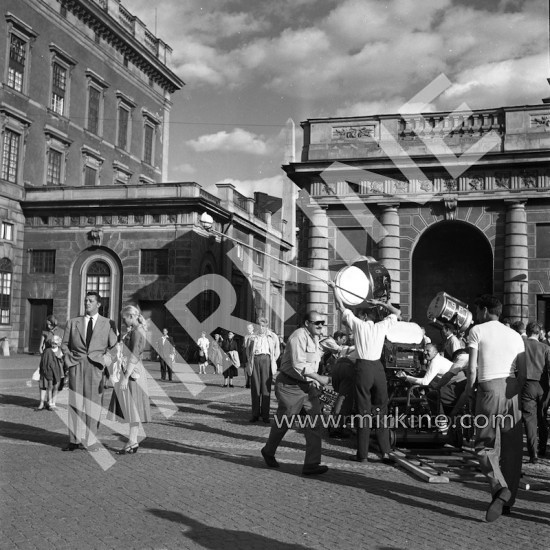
[317,296]
[389,248]
[516,276]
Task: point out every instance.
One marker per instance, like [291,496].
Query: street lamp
[207,223]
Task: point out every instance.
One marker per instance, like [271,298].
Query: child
[51,373]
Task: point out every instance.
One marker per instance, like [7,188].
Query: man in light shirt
[371,388]
[297,387]
[437,367]
[203,344]
[497,362]
[263,353]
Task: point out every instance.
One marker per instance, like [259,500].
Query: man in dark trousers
[167,354]
[263,352]
[297,388]
[534,395]
[371,388]
[86,344]
[497,363]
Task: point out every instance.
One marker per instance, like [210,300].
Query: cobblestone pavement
[198,481]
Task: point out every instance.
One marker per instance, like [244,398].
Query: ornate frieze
[528,179]
[401,186]
[375,186]
[450,184]
[540,121]
[426,185]
[476,183]
[360,132]
[502,180]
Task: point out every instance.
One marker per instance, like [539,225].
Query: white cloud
[272,186]
[238,140]
[350,52]
[501,83]
[181,170]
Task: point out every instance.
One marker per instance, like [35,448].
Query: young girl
[51,373]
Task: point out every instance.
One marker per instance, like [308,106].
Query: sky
[251,65]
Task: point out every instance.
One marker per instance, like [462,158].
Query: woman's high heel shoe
[129,450]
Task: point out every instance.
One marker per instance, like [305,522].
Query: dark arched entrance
[454,257]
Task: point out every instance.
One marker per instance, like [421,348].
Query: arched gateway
[454,257]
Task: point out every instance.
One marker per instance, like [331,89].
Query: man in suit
[86,344]
[264,350]
[167,354]
[534,394]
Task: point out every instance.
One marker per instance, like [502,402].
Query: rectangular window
[16,65]
[148,144]
[154,262]
[53,176]
[59,88]
[7,231]
[43,261]
[123,119]
[543,240]
[257,255]
[90,176]
[5,297]
[94,99]
[10,156]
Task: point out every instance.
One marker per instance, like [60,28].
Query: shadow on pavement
[18,401]
[25,432]
[416,497]
[215,537]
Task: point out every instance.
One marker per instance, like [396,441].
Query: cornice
[117,36]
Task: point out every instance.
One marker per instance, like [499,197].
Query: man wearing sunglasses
[296,388]
[371,387]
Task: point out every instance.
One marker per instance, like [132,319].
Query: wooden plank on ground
[425,473]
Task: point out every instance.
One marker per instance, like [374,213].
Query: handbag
[36,374]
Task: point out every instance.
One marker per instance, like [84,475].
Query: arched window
[6,273]
[98,278]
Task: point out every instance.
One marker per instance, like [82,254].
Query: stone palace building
[85,100]
[450,201]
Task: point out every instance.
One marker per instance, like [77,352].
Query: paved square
[199,481]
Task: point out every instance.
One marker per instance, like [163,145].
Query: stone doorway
[454,257]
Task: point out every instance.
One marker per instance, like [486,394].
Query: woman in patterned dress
[130,399]
[216,354]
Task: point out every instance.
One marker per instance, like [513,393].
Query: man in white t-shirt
[497,361]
